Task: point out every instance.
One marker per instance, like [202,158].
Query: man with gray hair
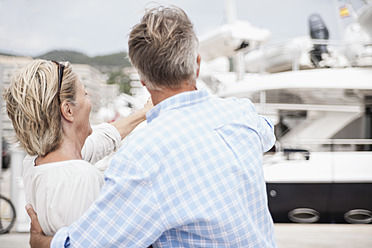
[193,176]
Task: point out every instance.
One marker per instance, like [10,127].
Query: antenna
[230,11]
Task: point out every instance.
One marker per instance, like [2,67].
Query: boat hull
[320,202]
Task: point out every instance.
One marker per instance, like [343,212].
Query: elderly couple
[192,177]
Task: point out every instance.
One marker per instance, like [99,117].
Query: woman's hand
[127,124]
[149,105]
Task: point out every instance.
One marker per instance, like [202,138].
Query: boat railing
[328,145]
[308,53]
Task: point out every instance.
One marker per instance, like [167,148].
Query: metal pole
[17,189]
[239,65]
[230,11]
[263,102]
[1,123]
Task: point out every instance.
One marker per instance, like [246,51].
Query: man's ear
[66,111]
[198,60]
[143,83]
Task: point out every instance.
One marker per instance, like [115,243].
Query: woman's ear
[67,111]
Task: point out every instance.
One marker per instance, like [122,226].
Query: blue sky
[97,27]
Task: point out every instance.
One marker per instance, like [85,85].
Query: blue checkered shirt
[191,178]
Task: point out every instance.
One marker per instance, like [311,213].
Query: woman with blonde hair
[49,108]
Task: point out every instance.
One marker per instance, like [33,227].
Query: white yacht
[318,92]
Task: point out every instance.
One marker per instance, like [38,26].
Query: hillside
[111,64]
[105,63]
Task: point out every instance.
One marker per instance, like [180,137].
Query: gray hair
[163,47]
[33,105]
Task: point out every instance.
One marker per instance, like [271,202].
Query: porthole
[304,215]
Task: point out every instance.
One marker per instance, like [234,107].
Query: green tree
[123,80]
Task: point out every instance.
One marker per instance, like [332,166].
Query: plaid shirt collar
[177,101]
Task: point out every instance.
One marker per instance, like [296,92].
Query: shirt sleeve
[264,128]
[126,213]
[60,239]
[104,140]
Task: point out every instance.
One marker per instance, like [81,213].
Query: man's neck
[158,96]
